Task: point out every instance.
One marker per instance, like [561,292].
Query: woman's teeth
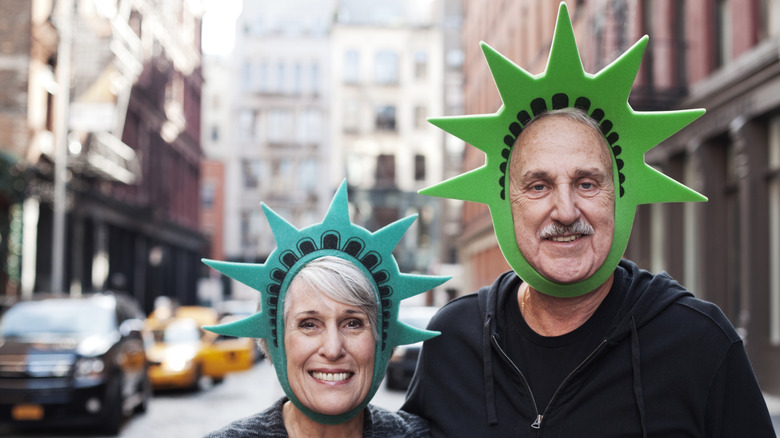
[331,377]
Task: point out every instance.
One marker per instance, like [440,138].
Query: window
[774,230]
[207,194]
[769,19]
[385,171]
[419,167]
[723,33]
[265,77]
[315,78]
[351,121]
[309,128]
[386,68]
[297,85]
[246,124]
[281,71]
[250,170]
[280,126]
[246,76]
[307,175]
[420,64]
[419,117]
[385,118]
[732,238]
[351,73]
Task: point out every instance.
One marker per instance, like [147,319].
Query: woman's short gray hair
[339,280]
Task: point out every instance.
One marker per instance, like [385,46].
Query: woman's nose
[332,345]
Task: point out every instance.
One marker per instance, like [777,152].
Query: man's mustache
[557,229]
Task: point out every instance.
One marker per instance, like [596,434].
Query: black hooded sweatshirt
[669,365]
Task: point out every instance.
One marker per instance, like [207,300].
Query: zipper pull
[538,423]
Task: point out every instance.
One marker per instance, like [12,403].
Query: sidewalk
[773,403]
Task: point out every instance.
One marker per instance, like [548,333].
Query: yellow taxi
[185,356]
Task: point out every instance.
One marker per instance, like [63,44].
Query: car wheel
[146,395]
[195,385]
[112,422]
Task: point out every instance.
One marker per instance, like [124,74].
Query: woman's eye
[306,324]
[354,324]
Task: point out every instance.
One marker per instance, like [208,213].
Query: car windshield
[416,316]
[182,331]
[66,317]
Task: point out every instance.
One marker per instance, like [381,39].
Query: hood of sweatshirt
[643,297]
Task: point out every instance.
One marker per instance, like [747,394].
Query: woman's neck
[298,425]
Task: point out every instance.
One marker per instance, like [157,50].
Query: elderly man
[575,341]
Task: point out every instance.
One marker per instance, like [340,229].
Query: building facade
[278,107]
[389,71]
[108,99]
[720,55]
[327,90]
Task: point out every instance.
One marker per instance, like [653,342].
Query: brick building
[721,55]
[132,131]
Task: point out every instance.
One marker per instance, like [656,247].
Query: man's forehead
[547,131]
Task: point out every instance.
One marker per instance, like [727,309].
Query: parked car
[232,310]
[402,363]
[76,361]
[183,353]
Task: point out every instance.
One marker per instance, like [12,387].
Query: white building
[280,118]
[327,90]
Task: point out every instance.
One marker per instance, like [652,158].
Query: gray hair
[339,280]
[571,113]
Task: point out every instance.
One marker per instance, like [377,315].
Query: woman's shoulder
[386,424]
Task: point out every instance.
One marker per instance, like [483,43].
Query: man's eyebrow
[594,172]
[534,174]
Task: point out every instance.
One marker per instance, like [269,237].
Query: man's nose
[332,344]
[565,210]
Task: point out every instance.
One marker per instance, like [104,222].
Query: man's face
[562,197]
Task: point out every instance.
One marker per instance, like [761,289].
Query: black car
[402,363]
[73,361]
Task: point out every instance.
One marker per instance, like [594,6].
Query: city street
[188,414]
[193,414]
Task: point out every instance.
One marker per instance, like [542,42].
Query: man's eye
[587,185]
[538,187]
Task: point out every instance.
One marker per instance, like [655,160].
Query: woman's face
[330,351]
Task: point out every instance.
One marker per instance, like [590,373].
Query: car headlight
[177,358]
[89,367]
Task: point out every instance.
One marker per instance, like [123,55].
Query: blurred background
[139,136]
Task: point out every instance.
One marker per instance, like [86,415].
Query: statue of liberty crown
[335,236]
[604,97]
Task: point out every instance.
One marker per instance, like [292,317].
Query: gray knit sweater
[377,423]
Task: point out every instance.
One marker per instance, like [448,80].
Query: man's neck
[553,316]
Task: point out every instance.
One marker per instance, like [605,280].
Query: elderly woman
[329,322]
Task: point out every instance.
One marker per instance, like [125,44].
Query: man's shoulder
[710,314]
[460,308]
[385,423]
[472,306]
